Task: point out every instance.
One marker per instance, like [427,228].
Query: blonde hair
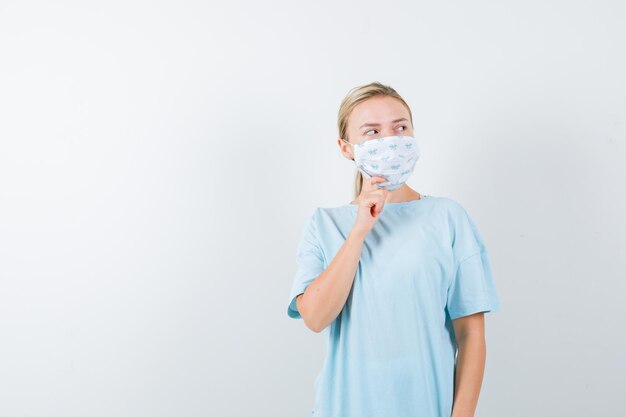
[353,98]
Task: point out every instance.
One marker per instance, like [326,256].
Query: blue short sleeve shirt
[391,351]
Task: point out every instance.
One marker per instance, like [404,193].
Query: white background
[158,161]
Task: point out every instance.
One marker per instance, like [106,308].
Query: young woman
[399,279]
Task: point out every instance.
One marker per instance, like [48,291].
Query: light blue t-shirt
[391,351]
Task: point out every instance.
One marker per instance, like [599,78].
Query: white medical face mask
[390,157]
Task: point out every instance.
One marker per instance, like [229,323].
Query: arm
[470,335]
[324,298]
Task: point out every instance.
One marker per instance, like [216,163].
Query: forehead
[377,110]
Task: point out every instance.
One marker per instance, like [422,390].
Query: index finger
[371,183]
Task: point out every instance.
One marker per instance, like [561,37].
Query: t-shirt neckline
[399,203]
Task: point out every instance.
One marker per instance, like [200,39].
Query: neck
[402,194]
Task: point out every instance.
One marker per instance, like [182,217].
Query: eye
[403,127]
[372,130]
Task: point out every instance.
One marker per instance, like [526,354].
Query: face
[375,118]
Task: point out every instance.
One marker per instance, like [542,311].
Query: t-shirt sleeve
[472,288]
[309,261]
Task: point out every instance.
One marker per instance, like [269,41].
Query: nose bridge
[389,131]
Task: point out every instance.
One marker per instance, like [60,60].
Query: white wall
[158,160]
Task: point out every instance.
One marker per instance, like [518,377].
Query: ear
[345,149]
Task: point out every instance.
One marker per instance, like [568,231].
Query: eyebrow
[378,124]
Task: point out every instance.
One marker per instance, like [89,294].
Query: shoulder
[333,212]
[466,238]
[449,206]
[447,202]
[318,216]
[329,219]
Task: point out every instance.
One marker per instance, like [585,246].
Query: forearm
[469,374]
[325,297]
